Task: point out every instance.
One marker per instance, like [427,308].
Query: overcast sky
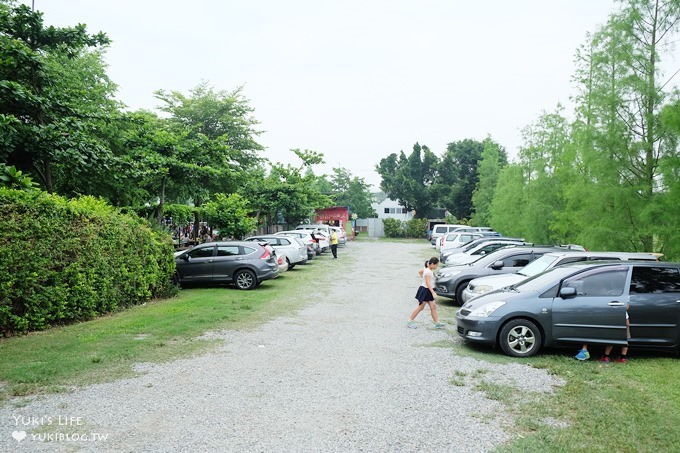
[354,79]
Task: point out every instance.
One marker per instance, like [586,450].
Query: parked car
[315,226]
[246,264]
[289,248]
[441,229]
[452,280]
[472,244]
[579,303]
[342,236]
[323,239]
[477,251]
[456,239]
[483,285]
[321,232]
[306,237]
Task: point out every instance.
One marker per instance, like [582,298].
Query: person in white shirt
[426,294]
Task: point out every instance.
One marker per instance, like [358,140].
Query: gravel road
[343,374]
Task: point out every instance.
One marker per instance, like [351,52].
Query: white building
[385,208]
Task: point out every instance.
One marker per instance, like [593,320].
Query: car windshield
[492,257]
[538,266]
[471,245]
[542,281]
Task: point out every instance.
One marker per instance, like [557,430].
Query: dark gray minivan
[579,303]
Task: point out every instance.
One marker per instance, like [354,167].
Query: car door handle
[615,303]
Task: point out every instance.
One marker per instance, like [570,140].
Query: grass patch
[501,393]
[106,348]
[616,407]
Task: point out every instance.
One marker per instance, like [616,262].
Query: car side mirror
[186,257]
[498,265]
[567,292]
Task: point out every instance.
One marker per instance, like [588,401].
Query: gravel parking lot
[342,374]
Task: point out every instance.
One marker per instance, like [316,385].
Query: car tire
[290,266]
[520,338]
[459,292]
[245,279]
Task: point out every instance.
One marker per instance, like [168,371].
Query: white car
[306,237]
[324,240]
[457,239]
[441,229]
[483,285]
[474,253]
[289,248]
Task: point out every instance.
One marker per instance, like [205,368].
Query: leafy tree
[353,192]
[219,134]
[458,177]
[287,194]
[12,178]
[507,210]
[49,85]
[216,132]
[493,159]
[624,146]
[230,215]
[544,157]
[410,180]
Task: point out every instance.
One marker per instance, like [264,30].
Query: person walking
[426,294]
[334,243]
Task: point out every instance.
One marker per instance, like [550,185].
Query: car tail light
[265,255]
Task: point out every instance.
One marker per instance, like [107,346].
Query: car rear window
[248,250]
[655,280]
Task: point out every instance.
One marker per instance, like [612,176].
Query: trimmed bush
[414,228]
[70,260]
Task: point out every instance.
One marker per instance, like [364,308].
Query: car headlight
[486,309]
[447,274]
[480,289]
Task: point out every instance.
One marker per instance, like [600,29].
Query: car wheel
[459,293]
[245,279]
[290,266]
[520,338]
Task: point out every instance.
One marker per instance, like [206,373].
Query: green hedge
[414,228]
[68,260]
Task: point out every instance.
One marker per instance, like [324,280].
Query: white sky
[354,79]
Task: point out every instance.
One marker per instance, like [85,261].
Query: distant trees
[411,180]
[352,191]
[423,182]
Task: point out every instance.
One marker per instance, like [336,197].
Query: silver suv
[483,285]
